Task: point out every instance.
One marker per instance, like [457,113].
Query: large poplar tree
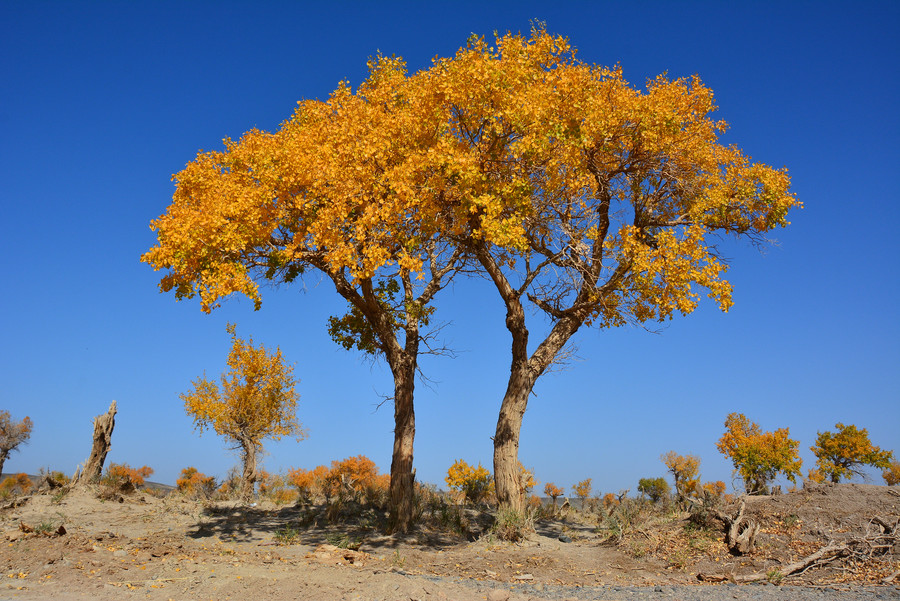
[596,202]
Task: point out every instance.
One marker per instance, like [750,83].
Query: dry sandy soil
[146,547]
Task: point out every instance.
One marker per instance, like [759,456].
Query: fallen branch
[873,544]
[823,555]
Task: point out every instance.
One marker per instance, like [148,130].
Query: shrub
[511,525]
[654,488]
[121,477]
[474,483]
[892,474]
[195,483]
[18,484]
[357,479]
[610,501]
[275,487]
[714,489]
[309,483]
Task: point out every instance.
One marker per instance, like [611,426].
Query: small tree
[256,401]
[552,491]
[655,488]
[685,470]
[759,456]
[473,482]
[892,474]
[12,435]
[582,490]
[841,454]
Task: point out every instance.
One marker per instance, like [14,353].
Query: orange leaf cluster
[552,491]
[195,483]
[517,144]
[120,474]
[582,490]
[15,484]
[685,470]
[355,478]
[475,483]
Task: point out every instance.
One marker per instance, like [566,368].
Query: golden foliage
[759,456]
[516,144]
[714,489]
[891,475]
[353,478]
[610,500]
[254,400]
[582,490]
[685,470]
[120,475]
[195,483]
[475,483]
[840,454]
[526,479]
[552,491]
[16,484]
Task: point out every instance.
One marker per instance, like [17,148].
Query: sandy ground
[174,548]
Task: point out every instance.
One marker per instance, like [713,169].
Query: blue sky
[101,102]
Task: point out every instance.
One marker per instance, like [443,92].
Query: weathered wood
[103,429]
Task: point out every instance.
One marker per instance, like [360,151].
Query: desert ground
[143,545]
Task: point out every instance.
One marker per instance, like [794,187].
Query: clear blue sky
[102,101]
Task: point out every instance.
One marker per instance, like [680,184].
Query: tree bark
[402,487]
[103,429]
[249,475]
[507,479]
[3,455]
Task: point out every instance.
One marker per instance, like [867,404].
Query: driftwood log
[103,429]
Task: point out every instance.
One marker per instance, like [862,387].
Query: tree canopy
[759,456]
[841,454]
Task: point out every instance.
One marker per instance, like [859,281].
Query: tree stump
[103,429]
[740,533]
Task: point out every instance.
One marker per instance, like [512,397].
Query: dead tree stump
[741,531]
[103,429]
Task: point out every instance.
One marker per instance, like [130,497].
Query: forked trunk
[402,488]
[507,476]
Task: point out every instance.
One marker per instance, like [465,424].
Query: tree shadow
[311,526]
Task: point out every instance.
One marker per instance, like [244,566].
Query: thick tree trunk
[3,455]
[507,477]
[402,488]
[249,476]
[103,429]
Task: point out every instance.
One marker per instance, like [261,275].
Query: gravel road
[748,592]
